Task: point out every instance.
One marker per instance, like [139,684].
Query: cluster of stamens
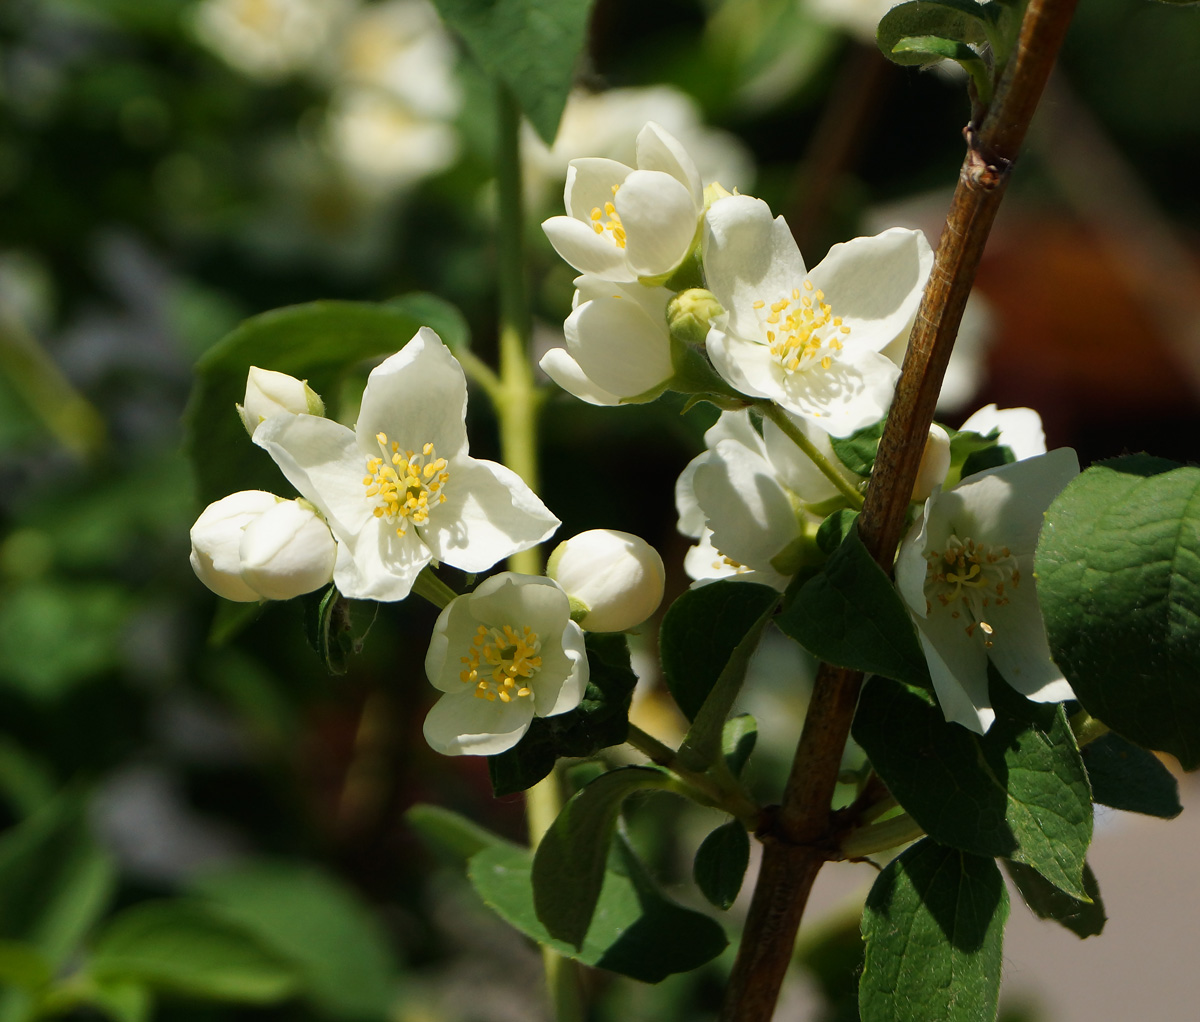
[607,219]
[501,661]
[968,578]
[802,329]
[405,484]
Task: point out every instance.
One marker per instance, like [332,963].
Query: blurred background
[171,167]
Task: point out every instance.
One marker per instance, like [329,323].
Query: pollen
[502,662]
[801,329]
[606,219]
[405,486]
[969,579]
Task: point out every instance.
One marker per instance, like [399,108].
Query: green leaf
[934,929]
[851,615]
[337,626]
[180,946]
[932,48]
[532,46]
[1082,918]
[450,833]
[22,965]
[317,342]
[963,21]
[1126,776]
[321,929]
[699,633]
[721,862]
[600,720]
[737,741]
[1118,569]
[1019,792]
[635,930]
[834,530]
[857,451]
[121,1001]
[569,865]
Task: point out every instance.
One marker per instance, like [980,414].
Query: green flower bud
[690,313]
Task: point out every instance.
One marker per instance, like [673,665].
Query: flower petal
[657,149]
[558,364]
[550,698]
[958,667]
[591,182]
[660,219]
[378,564]
[875,284]
[796,470]
[618,346]
[1020,649]
[855,391]
[586,250]
[461,724]
[747,366]
[1020,429]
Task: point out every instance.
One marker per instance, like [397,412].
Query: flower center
[968,578]
[403,484]
[607,219]
[802,329]
[501,662]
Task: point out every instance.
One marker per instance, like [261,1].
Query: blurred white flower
[268,39]
[616,578]
[935,463]
[858,17]
[1020,429]
[270,393]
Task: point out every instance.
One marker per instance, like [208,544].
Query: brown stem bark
[803,835]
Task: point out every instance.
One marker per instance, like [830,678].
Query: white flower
[253,545]
[965,569]
[270,393]
[1020,429]
[502,655]
[268,38]
[748,496]
[618,343]
[811,342]
[625,224]
[616,577]
[400,490]
[935,463]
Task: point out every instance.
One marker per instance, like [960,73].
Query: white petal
[1020,649]
[747,366]
[378,564]
[287,551]
[586,250]
[553,699]
[659,217]
[618,346]
[796,470]
[958,667]
[735,426]
[461,724]
[489,514]
[321,459]
[691,517]
[875,284]
[748,257]
[1020,429]
[417,396]
[652,300]
[855,391]
[657,149]
[591,182]
[912,568]
[558,364]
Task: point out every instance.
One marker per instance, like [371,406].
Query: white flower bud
[270,393]
[935,463]
[615,577]
[217,538]
[287,551]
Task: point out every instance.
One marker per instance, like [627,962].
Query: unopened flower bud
[613,578]
[935,463]
[690,313]
[270,393]
[287,551]
[217,539]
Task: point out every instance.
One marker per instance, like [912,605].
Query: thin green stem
[793,432]
[481,373]
[433,589]
[1087,728]
[879,837]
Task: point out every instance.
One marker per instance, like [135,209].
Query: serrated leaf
[600,720]
[181,947]
[1082,918]
[635,930]
[720,864]
[335,946]
[857,451]
[737,741]
[569,865]
[1126,776]
[1019,792]
[934,930]
[532,46]
[449,832]
[318,342]
[699,633]
[1118,568]
[851,615]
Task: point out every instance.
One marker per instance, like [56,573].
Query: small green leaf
[699,633]
[532,46]
[1126,776]
[963,21]
[851,615]
[569,865]
[337,627]
[932,48]
[325,934]
[1082,918]
[22,965]
[449,832]
[1018,792]
[181,947]
[121,1001]
[1118,569]
[834,530]
[857,451]
[635,930]
[737,741]
[600,720]
[934,929]
[721,862]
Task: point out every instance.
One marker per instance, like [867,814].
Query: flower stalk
[777,415]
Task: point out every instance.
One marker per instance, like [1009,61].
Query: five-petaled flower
[502,655]
[400,490]
[809,340]
[965,569]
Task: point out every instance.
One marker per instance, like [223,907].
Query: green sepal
[720,864]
